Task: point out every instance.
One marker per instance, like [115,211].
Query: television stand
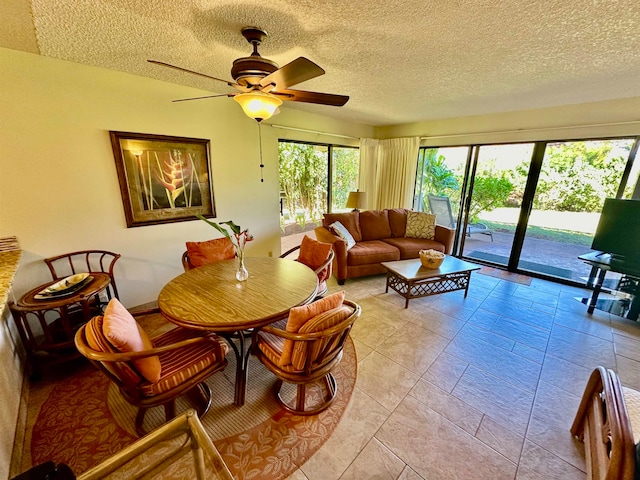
[601,264]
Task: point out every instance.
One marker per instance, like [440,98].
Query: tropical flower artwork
[168,179]
[162,178]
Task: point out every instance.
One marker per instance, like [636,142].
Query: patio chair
[440,206]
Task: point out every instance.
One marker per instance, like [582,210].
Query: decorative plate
[64,287]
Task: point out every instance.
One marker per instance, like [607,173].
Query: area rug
[504,275]
[84,420]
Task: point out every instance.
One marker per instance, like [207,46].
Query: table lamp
[356,200]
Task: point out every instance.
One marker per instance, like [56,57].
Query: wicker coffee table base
[411,288]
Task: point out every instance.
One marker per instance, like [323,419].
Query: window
[314,179]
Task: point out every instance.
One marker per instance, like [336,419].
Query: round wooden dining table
[210,298]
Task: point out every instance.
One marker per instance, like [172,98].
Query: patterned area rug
[84,421]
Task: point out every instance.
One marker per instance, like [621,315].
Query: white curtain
[388,171]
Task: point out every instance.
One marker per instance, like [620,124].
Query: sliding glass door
[573,181]
[526,207]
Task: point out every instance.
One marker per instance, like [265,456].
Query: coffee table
[411,280]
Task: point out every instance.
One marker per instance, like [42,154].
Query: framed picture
[162,179]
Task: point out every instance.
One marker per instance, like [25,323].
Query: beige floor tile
[384,380]
[627,346]
[522,332]
[537,463]
[376,323]
[500,438]
[297,475]
[598,327]
[565,374]
[362,350]
[450,407]
[409,474]
[413,347]
[515,369]
[580,348]
[505,403]
[436,322]
[553,412]
[436,448]
[445,371]
[360,422]
[375,462]
[628,371]
[528,352]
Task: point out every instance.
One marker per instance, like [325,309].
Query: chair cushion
[97,341]
[313,254]
[350,220]
[124,333]
[318,323]
[374,225]
[341,231]
[398,221]
[421,225]
[183,364]
[211,251]
[298,316]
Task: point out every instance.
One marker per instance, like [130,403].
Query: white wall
[587,120]
[59,189]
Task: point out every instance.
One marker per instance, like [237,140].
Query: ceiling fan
[262,85]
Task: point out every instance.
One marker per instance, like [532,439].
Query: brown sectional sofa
[379,236]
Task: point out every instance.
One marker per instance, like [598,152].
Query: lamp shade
[356,200]
[258,105]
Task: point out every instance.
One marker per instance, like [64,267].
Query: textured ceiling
[402,61]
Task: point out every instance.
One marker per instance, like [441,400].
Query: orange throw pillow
[298,316]
[313,253]
[124,333]
[211,251]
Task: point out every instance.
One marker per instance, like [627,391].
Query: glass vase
[242,274]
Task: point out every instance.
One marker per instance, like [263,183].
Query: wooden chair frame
[89,260]
[603,424]
[328,263]
[193,388]
[316,366]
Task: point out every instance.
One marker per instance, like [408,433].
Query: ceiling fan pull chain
[260,140]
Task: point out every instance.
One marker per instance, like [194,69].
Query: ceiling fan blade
[298,71]
[312,97]
[231,84]
[207,96]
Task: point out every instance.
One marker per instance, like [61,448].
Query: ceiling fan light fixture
[258,105]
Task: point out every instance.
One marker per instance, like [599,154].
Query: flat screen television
[618,231]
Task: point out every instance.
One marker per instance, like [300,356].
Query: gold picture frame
[163,179]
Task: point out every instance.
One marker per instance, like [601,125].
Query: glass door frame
[526,207]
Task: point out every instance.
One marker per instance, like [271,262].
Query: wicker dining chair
[210,251]
[316,255]
[152,372]
[305,348]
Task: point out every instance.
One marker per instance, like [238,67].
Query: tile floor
[479,388]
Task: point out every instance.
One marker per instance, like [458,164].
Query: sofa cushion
[351,221]
[409,247]
[398,221]
[421,225]
[374,225]
[372,251]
